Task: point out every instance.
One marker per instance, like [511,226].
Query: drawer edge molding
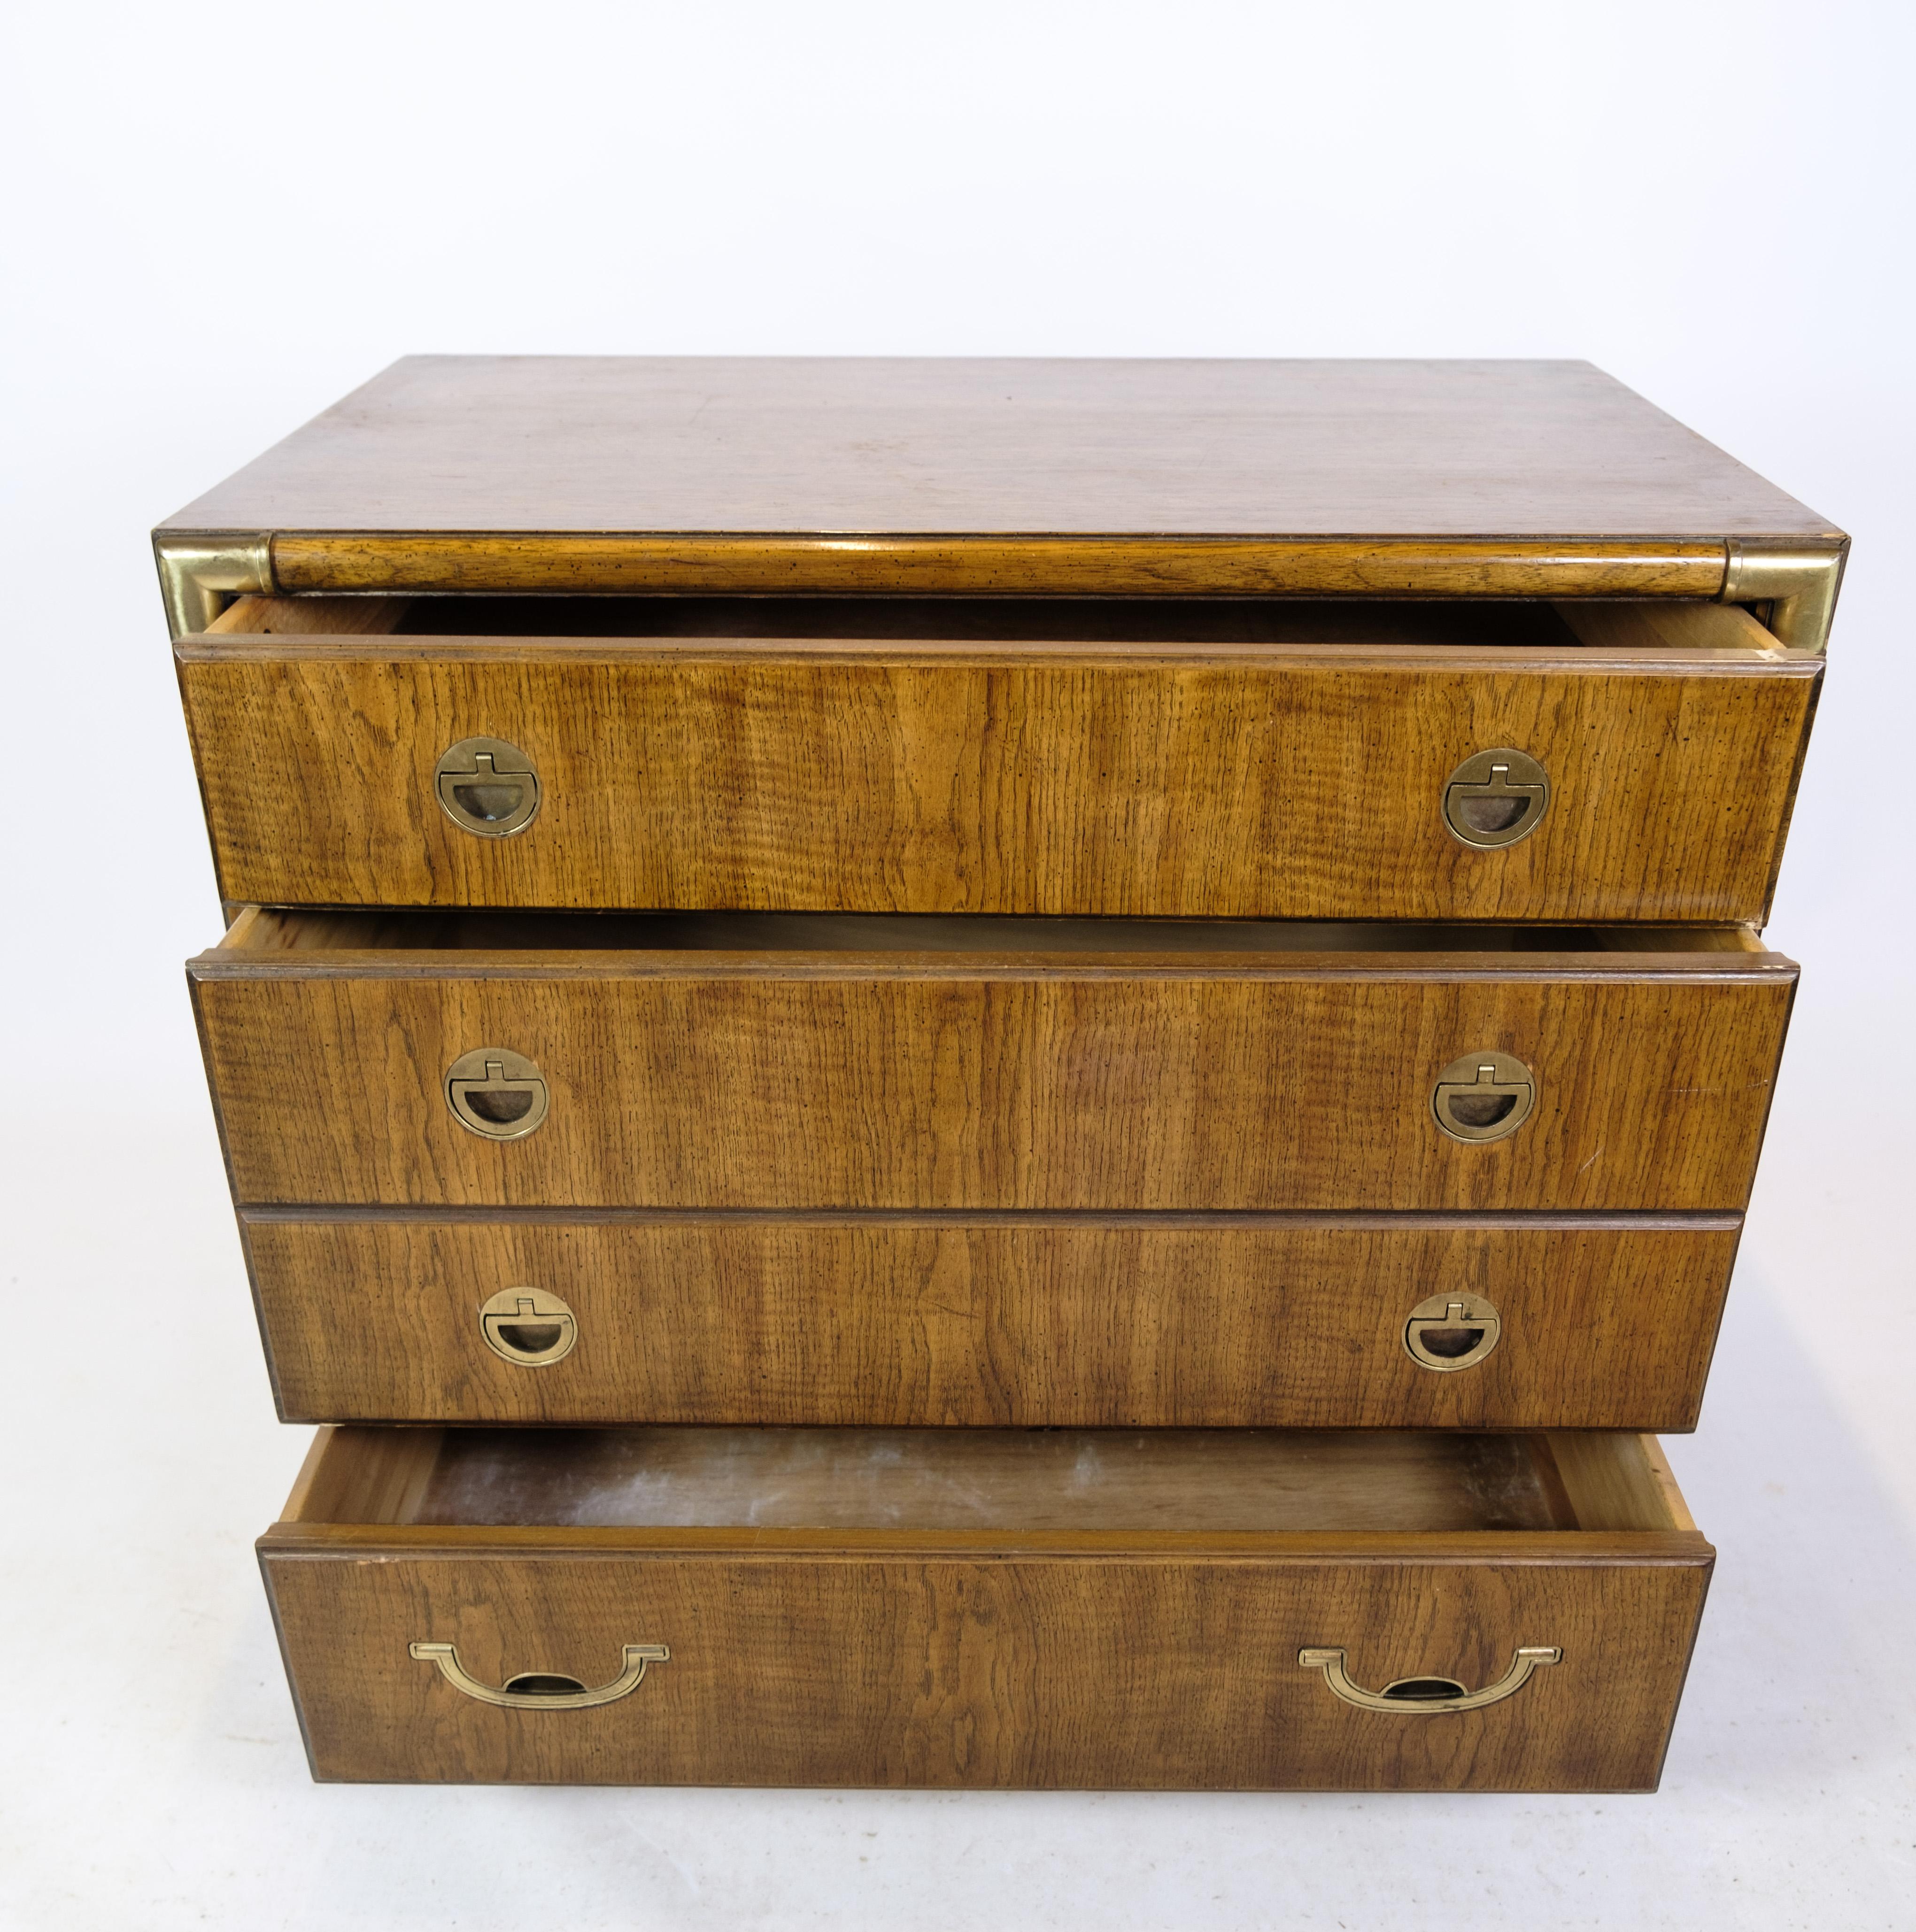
[1797,582]
[1754,969]
[1116,563]
[394,1542]
[1541,1220]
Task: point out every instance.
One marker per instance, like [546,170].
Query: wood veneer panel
[526,445]
[997,566]
[1280,781]
[1064,1481]
[956,1080]
[1617,1482]
[306,616]
[1202,1321]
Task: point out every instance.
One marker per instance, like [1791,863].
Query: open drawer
[1206,1610]
[1159,757]
[767,1062]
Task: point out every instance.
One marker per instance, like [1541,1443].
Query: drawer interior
[463,929]
[1681,624]
[1226,1481]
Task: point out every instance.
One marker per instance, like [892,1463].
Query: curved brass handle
[1424,1697]
[636,1657]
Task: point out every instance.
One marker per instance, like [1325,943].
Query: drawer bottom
[1211,1609]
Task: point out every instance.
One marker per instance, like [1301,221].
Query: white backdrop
[220,217]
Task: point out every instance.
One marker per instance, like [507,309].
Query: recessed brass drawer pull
[1448,1332]
[486,787]
[1482,1097]
[496,1094]
[545,1691]
[1425,1697]
[528,1326]
[1495,799]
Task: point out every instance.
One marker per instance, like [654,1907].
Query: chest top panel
[521,445]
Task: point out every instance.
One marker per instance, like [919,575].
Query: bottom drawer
[1255,1609]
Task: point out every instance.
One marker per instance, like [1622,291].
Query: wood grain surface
[719,1489]
[526,445]
[1284,779]
[997,566]
[889,1665]
[1149,1322]
[1025,1483]
[867,1079]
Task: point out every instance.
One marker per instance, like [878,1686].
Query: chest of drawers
[1089,1037]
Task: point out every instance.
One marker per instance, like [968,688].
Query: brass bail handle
[1428,1696]
[635,1657]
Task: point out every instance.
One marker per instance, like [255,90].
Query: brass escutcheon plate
[496,1093]
[1448,1332]
[1496,798]
[486,787]
[1483,1096]
[528,1326]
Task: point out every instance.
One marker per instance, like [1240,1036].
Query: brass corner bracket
[198,573]
[1799,586]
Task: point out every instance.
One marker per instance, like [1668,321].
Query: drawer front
[993,1669]
[893,1322]
[776,1085]
[1298,787]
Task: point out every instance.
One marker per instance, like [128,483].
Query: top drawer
[1164,757]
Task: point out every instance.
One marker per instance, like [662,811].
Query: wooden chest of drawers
[951,973]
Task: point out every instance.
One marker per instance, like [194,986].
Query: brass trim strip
[197,574]
[1800,586]
[773,563]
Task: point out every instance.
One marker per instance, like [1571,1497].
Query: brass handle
[1448,1332]
[497,1093]
[1496,799]
[1425,1697]
[486,787]
[528,1326]
[559,1697]
[1483,1096]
